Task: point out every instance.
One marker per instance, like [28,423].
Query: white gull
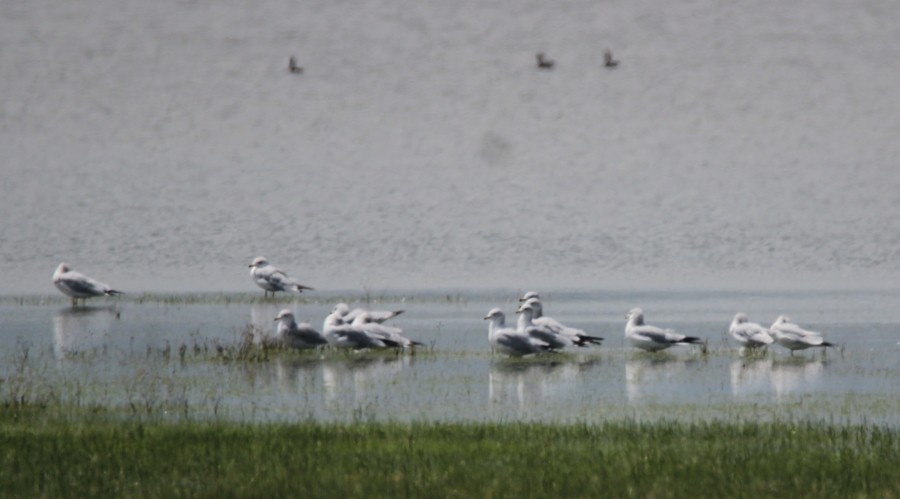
[794,337]
[509,341]
[652,338]
[272,279]
[749,334]
[77,285]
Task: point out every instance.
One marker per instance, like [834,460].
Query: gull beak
[277,319]
[486,317]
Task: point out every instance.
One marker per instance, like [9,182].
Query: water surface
[128,355]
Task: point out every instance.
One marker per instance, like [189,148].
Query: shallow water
[126,354]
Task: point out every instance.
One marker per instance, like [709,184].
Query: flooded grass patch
[92,456]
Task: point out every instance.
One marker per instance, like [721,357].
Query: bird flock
[534,332]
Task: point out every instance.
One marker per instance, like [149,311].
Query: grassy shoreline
[94,456]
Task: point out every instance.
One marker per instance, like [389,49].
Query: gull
[365,322]
[509,341]
[378,316]
[580,337]
[78,285]
[793,337]
[341,335]
[292,335]
[527,326]
[749,334]
[652,338]
[271,278]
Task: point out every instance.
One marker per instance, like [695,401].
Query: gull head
[494,313]
[63,268]
[259,261]
[740,318]
[341,309]
[635,316]
[284,314]
[534,304]
[526,309]
[529,295]
[782,319]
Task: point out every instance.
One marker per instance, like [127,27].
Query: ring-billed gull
[289,334]
[580,337]
[341,335]
[509,341]
[749,334]
[78,285]
[525,325]
[364,322]
[652,338]
[271,278]
[378,316]
[794,337]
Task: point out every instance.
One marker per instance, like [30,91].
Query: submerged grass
[90,456]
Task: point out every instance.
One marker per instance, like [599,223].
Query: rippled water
[162,145]
[128,355]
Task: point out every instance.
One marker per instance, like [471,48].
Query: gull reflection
[528,383]
[796,375]
[751,375]
[297,376]
[353,378]
[82,328]
[649,375]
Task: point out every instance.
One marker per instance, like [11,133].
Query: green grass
[52,456]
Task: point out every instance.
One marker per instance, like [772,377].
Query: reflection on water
[796,375]
[529,383]
[750,376]
[351,379]
[78,329]
[653,375]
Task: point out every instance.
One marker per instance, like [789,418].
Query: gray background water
[161,145]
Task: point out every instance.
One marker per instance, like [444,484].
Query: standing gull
[271,278]
[78,285]
[509,341]
[289,334]
[652,338]
[578,336]
[749,334]
[794,337]
[525,325]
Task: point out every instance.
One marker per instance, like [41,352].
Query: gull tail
[414,343]
[692,340]
[827,344]
[592,340]
[300,288]
[391,343]
[113,292]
